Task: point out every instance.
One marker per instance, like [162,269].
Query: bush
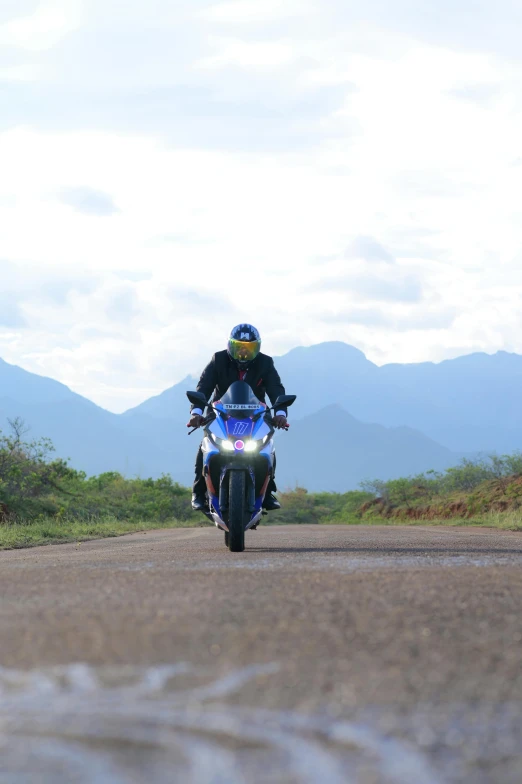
[463,478]
[300,506]
[27,475]
[33,486]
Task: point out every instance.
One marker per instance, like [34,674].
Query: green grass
[507,521]
[23,533]
[15,535]
[45,501]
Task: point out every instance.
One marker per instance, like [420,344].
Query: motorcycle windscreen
[239,400]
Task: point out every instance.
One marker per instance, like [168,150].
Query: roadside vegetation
[43,499]
[485,491]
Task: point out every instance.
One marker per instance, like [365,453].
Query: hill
[332,451]
[482,489]
[468,404]
[94,439]
[389,420]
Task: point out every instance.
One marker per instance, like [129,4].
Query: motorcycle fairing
[239,418]
[211,452]
[239,429]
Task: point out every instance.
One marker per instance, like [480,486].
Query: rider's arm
[274,387]
[207,383]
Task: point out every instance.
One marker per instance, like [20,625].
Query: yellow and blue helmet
[244,344]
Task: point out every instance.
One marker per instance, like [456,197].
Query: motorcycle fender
[223,485]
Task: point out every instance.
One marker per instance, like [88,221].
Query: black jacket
[222,371]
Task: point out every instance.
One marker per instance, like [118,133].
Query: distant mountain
[387,421]
[469,404]
[328,450]
[25,387]
[94,439]
[162,406]
[331,450]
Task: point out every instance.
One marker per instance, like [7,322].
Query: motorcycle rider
[240,361]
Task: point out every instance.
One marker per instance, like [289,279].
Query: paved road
[382,654]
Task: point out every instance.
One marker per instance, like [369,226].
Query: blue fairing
[215,504]
[258,426]
[239,420]
[239,428]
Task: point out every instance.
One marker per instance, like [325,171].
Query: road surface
[331,654]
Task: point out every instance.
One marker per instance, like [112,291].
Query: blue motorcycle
[238,459]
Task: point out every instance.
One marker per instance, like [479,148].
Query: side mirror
[197,399]
[285,400]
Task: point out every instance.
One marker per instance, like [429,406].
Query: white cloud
[171,170]
[256,55]
[252,12]
[88,201]
[45,27]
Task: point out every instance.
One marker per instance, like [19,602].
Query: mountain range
[352,420]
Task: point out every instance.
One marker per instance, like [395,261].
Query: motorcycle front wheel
[236,512]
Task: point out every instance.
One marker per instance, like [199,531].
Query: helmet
[244,344]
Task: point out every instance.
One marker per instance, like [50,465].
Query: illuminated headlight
[251,446]
[222,443]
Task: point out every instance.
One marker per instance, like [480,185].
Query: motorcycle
[238,458]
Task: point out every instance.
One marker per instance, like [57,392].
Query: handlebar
[204,422]
[210,418]
[270,421]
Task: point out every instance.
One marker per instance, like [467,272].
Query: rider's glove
[279,421]
[195,420]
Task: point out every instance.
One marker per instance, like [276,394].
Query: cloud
[480,94]
[57,289]
[464,25]
[42,26]
[250,12]
[399,286]
[425,319]
[30,284]
[11,315]
[178,76]
[88,201]
[122,305]
[369,249]
[269,162]
[261,118]
[136,276]
[12,9]
[401,289]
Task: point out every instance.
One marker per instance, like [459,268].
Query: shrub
[466,477]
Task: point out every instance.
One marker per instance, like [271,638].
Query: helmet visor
[244,351]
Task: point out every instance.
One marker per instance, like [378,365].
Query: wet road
[380,654]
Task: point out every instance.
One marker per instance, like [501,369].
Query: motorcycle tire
[236,512]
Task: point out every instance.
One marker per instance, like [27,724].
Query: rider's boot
[199,502]
[199,490]
[271,503]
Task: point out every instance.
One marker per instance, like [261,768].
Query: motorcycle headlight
[222,443]
[252,446]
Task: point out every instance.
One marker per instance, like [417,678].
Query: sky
[323,169]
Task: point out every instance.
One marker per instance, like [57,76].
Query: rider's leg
[272,485]
[199,487]
[271,503]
